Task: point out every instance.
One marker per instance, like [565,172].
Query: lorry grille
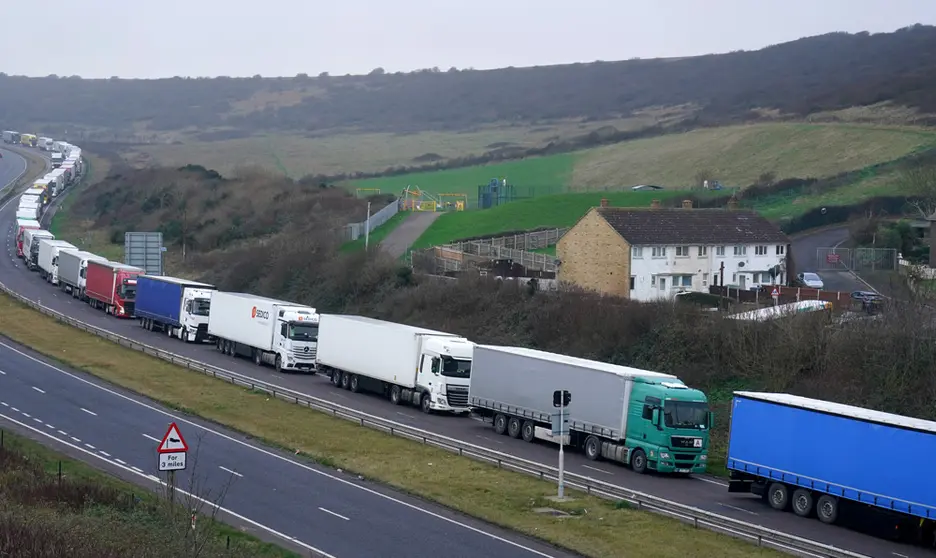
[305,353]
[129,309]
[685,442]
[457,396]
[684,456]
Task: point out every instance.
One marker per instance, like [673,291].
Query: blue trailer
[816,457]
[178,307]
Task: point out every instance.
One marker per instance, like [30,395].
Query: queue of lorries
[815,458]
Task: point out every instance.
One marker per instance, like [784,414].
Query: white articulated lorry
[73,271]
[31,238]
[48,259]
[275,332]
[427,368]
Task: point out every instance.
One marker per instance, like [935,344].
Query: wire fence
[354,231]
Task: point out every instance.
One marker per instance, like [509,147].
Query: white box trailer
[27,200]
[73,270]
[57,160]
[45,144]
[70,172]
[56,180]
[28,212]
[431,369]
[49,258]
[31,238]
[282,334]
[649,420]
[39,193]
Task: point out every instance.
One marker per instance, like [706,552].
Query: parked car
[810,279]
[869,301]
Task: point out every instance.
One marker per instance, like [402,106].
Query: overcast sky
[164,38]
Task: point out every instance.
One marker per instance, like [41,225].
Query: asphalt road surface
[304,505]
[707,493]
[806,253]
[11,165]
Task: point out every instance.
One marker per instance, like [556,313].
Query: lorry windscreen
[454,368]
[201,306]
[127,292]
[302,331]
[686,414]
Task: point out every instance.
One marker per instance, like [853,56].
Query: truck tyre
[279,364]
[827,509]
[345,380]
[354,383]
[639,461]
[513,427]
[592,448]
[257,358]
[183,335]
[778,496]
[802,502]
[336,377]
[395,395]
[528,432]
[500,423]
[425,403]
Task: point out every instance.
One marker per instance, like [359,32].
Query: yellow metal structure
[416,199]
[459,201]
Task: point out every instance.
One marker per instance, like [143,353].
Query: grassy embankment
[51,505]
[598,528]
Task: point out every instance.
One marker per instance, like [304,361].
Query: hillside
[798,78]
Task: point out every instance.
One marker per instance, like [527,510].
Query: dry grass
[737,155]
[885,113]
[480,490]
[297,156]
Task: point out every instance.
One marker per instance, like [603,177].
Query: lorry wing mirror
[656,417]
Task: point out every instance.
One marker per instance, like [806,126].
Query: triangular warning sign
[775,292]
[173,442]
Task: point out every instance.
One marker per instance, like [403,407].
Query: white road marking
[121,461]
[15,409]
[76,439]
[37,420]
[137,469]
[268,453]
[335,514]
[89,412]
[597,469]
[899,555]
[37,389]
[50,426]
[209,503]
[736,508]
[712,481]
[230,471]
[62,432]
[89,446]
[27,415]
[104,453]
[2,373]
[4,403]
[157,440]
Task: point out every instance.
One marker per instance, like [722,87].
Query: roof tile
[668,226]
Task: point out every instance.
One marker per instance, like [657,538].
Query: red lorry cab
[111,286]
[22,225]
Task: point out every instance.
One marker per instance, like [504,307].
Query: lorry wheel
[513,427]
[183,335]
[219,344]
[395,395]
[353,384]
[592,448]
[778,496]
[827,509]
[258,360]
[500,423]
[279,364]
[336,377]
[345,380]
[425,403]
[802,502]
[529,431]
[639,461]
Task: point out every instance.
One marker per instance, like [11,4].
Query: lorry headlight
[664,455]
[703,457]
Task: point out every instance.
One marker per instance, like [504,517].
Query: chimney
[687,204]
[732,203]
[655,204]
[604,202]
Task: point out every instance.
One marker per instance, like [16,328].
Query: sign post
[172,451]
[561,399]
[776,296]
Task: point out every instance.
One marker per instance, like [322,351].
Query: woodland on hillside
[821,73]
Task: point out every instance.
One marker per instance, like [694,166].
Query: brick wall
[594,256]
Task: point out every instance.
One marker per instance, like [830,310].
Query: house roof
[691,226]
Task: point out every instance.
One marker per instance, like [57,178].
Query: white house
[655,252]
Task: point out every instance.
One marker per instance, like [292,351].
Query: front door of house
[742,281]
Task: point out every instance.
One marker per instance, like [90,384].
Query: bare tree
[920,181]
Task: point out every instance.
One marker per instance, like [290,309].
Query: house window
[682,280]
[662,283]
[633,280]
[740,250]
[659,252]
[705,279]
[637,251]
[760,250]
[703,251]
[682,251]
[734,278]
[719,250]
[653,281]
[781,249]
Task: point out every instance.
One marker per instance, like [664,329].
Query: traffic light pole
[561,453]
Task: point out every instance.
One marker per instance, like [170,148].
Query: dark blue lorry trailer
[816,457]
[178,307]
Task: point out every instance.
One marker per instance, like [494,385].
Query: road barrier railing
[756,534]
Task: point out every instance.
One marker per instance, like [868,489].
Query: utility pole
[367,228]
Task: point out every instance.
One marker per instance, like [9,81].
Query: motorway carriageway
[707,493]
[298,505]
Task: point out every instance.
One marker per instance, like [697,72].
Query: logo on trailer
[257,313]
